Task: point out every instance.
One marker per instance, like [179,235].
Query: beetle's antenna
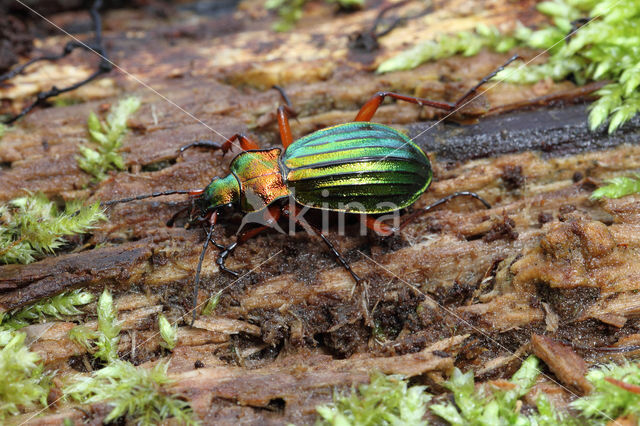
[152,195]
[202,253]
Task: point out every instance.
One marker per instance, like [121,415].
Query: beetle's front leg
[270,219]
[245,144]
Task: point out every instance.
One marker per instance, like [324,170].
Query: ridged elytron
[361,162]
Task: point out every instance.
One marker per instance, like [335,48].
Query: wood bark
[460,286]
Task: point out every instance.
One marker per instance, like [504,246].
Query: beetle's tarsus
[222,257]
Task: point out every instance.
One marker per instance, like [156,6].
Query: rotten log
[544,249]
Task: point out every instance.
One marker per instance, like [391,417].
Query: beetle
[362,162]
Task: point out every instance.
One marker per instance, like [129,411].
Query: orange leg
[284,112]
[245,144]
[370,108]
[381,228]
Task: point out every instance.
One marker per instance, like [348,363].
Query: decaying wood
[461,286]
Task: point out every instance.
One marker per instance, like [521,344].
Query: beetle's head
[220,192]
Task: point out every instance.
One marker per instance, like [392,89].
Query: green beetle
[357,167]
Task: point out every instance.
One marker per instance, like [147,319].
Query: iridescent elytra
[357,167]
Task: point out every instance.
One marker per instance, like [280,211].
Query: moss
[386,400]
[23,384]
[487,406]
[212,304]
[603,49]
[290,11]
[618,187]
[103,343]
[32,226]
[107,137]
[53,307]
[136,393]
[168,332]
[616,393]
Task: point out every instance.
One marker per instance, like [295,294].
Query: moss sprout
[168,332]
[212,304]
[618,187]
[107,137]
[32,226]
[103,343]
[53,307]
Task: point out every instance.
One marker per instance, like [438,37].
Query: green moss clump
[133,392]
[23,384]
[487,406]
[386,400]
[107,137]
[610,399]
[32,226]
[606,48]
[57,307]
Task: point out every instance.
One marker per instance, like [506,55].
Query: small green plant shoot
[134,392]
[386,400]
[290,11]
[23,383]
[58,306]
[605,48]
[103,343]
[212,304]
[107,137]
[168,332]
[32,226]
[618,187]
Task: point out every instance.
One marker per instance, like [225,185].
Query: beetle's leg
[271,215]
[370,108]
[381,228]
[212,220]
[245,144]
[313,230]
[372,105]
[471,92]
[419,212]
[284,112]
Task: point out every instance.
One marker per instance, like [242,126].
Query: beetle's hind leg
[369,109]
[284,113]
[419,212]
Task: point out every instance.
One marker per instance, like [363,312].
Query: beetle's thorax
[220,192]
